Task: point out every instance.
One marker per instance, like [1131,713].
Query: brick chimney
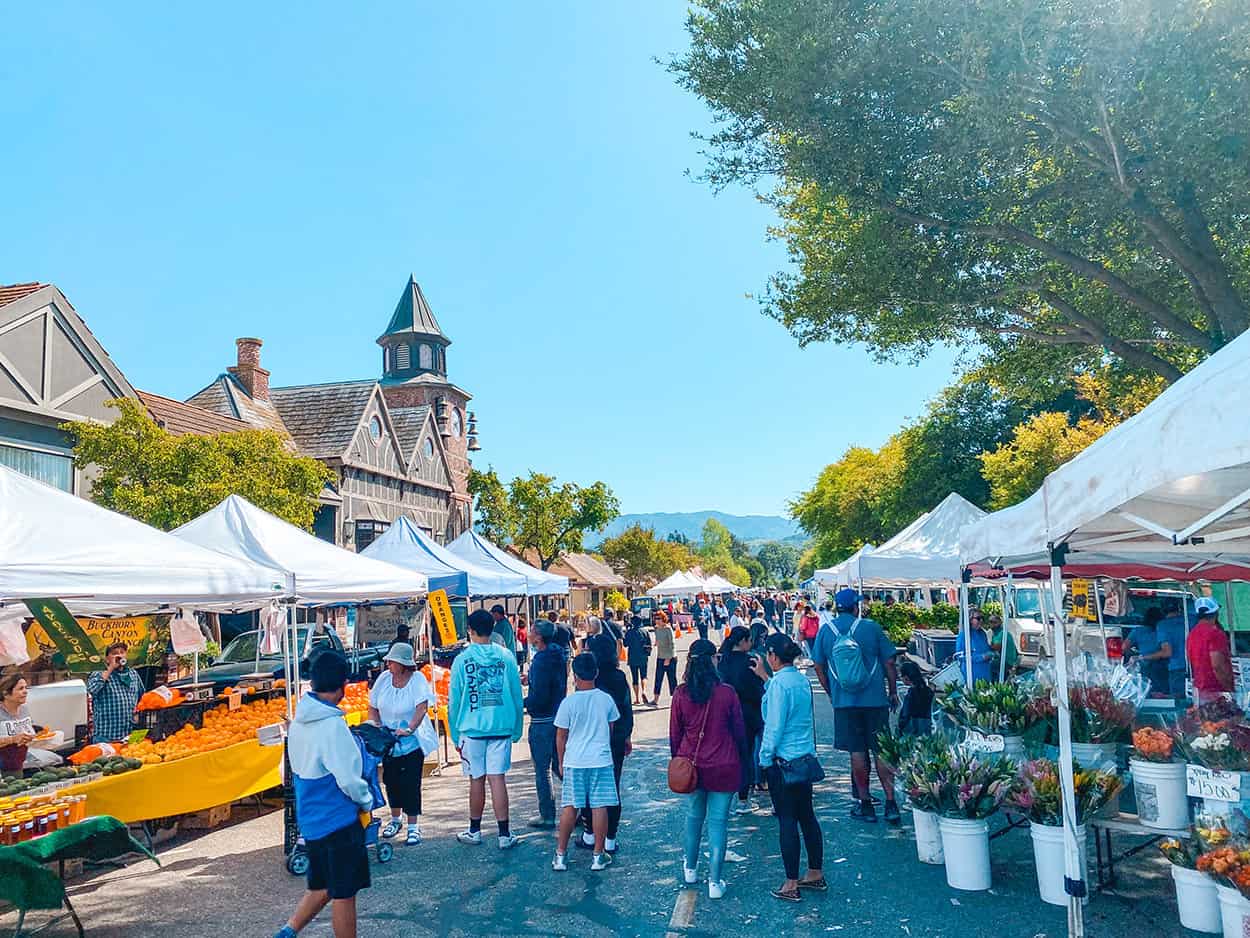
[255,379]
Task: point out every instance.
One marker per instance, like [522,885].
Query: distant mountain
[750,528]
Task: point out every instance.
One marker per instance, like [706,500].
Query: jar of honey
[28,827]
[64,810]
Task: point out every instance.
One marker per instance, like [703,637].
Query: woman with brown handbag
[706,736]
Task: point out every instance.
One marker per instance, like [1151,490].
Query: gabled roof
[181,419]
[13,292]
[322,418]
[229,398]
[581,569]
[408,422]
[413,316]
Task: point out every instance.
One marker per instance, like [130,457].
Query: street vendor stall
[405,545]
[476,549]
[1164,494]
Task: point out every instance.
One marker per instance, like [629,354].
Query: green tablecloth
[27,884]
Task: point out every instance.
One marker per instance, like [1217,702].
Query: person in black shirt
[612,681]
[638,652]
[916,715]
[548,683]
[736,671]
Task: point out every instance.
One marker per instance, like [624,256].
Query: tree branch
[1091,270]
[1130,353]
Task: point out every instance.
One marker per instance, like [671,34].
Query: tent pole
[1185,616]
[256,669]
[965,627]
[1002,652]
[1074,875]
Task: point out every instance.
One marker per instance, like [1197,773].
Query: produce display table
[26,883]
[186,786]
[1128,825]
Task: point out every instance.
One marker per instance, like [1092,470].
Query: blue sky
[188,175]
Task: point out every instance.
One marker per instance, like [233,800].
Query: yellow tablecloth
[195,783]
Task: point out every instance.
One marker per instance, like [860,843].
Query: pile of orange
[356,698]
[222,727]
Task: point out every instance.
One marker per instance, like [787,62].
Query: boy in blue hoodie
[485,717]
[330,796]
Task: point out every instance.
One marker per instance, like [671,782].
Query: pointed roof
[413,315]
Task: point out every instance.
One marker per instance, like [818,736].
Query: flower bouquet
[924,772]
[1038,794]
[1152,745]
[894,749]
[972,787]
[1182,853]
[990,708]
[1197,900]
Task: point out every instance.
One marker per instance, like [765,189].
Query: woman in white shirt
[400,701]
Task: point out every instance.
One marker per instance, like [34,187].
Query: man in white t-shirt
[584,760]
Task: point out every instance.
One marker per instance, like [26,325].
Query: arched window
[457,423]
[428,449]
[375,428]
[426,358]
[403,357]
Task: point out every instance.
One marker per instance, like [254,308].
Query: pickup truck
[239,657]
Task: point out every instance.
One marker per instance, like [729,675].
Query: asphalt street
[231,882]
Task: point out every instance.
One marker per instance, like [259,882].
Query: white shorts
[485,756]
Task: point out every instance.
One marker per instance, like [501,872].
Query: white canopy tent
[473,547]
[925,553]
[406,545]
[323,572]
[718,584]
[844,573]
[679,584]
[1163,494]
[56,545]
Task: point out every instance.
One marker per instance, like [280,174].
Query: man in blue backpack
[855,665]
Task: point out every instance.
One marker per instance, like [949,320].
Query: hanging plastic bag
[185,633]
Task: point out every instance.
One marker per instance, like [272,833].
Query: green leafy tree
[1056,182]
[493,513]
[716,556]
[552,518]
[166,480]
[1040,445]
[636,555]
[780,561]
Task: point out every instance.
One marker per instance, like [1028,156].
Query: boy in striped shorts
[584,760]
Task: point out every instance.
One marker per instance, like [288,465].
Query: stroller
[375,744]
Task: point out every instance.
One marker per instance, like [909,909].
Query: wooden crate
[205,820]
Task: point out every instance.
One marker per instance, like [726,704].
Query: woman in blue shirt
[982,654]
[788,735]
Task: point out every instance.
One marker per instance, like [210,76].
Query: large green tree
[779,560]
[716,554]
[639,556]
[1055,182]
[150,474]
[535,512]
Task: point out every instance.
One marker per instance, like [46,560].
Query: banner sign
[1081,609]
[440,608]
[77,644]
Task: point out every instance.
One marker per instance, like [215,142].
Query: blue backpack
[846,660]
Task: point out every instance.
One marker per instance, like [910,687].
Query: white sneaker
[472,838]
[558,863]
[414,835]
[692,876]
[745,807]
[507,841]
[715,890]
[602,862]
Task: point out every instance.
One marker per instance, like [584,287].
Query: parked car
[238,658]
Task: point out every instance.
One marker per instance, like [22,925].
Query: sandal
[787,895]
[820,885]
[392,828]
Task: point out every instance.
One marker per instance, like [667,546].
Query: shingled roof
[227,397]
[413,315]
[181,419]
[408,422]
[322,418]
[15,291]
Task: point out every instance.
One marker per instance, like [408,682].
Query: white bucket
[1197,901]
[1095,755]
[1048,858]
[1013,748]
[966,846]
[1234,912]
[928,837]
[1162,798]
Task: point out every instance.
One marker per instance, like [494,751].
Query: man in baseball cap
[1209,653]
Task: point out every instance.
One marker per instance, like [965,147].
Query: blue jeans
[542,740]
[714,806]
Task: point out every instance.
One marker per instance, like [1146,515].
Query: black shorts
[638,671]
[338,862]
[855,729]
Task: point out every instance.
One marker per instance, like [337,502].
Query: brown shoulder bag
[683,774]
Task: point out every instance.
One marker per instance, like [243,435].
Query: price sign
[1080,599]
[234,701]
[1218,786]
[984,742]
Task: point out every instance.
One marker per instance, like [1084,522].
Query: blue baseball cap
[846,598]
